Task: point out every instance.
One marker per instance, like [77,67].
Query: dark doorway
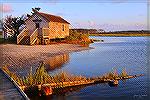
[37,25]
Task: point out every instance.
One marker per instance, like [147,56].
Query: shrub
[74,35]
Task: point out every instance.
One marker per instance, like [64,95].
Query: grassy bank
[74,38]
[123,33]
[78,38]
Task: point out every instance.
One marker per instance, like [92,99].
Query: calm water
[114,52]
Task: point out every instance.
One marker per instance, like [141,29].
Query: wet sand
[20,58]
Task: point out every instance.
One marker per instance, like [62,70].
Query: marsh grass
[79,38]
[42,77]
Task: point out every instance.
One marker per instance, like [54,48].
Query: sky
[110,15]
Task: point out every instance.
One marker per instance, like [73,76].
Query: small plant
[14,76]
[114,74]
[123,73]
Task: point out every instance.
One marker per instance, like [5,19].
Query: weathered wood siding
[8,89]
[56,30]
[52,29]
[31,25]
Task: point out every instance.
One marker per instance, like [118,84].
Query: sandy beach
[20,58]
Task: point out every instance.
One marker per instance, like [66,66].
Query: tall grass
[76,36]
[14,76]
[40,76]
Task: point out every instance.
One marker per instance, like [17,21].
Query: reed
[41,77]
[14,76]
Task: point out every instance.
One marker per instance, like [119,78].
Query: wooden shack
[41,28]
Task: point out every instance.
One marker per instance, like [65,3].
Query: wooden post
[39,87]
[47,90]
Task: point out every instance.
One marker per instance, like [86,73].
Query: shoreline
[121,35]
[20,58]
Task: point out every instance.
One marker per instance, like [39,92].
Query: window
[63,27]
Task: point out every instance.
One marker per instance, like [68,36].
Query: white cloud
[109,26]
[5,8]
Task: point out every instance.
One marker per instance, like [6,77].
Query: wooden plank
[8,90]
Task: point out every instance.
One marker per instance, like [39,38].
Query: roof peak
[49,14]
[53,18]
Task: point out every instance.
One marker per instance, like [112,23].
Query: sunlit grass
[40,76]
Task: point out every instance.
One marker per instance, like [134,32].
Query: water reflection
[59,93]
[55,62]
[66,90]
[118,52]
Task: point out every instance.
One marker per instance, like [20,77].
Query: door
[37,25]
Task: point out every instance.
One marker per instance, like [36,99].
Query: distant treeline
[101,32]
[88,31]
[129,32]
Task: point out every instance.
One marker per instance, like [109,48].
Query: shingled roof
[53,18]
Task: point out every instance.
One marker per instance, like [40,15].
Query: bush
[10,40]
[74,35]
[57,39]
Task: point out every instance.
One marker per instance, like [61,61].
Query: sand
[20,58]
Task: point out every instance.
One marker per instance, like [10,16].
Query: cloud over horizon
[5,8]
[109,26]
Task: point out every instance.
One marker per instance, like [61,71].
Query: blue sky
[110,15]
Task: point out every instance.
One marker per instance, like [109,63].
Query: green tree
[11,25]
